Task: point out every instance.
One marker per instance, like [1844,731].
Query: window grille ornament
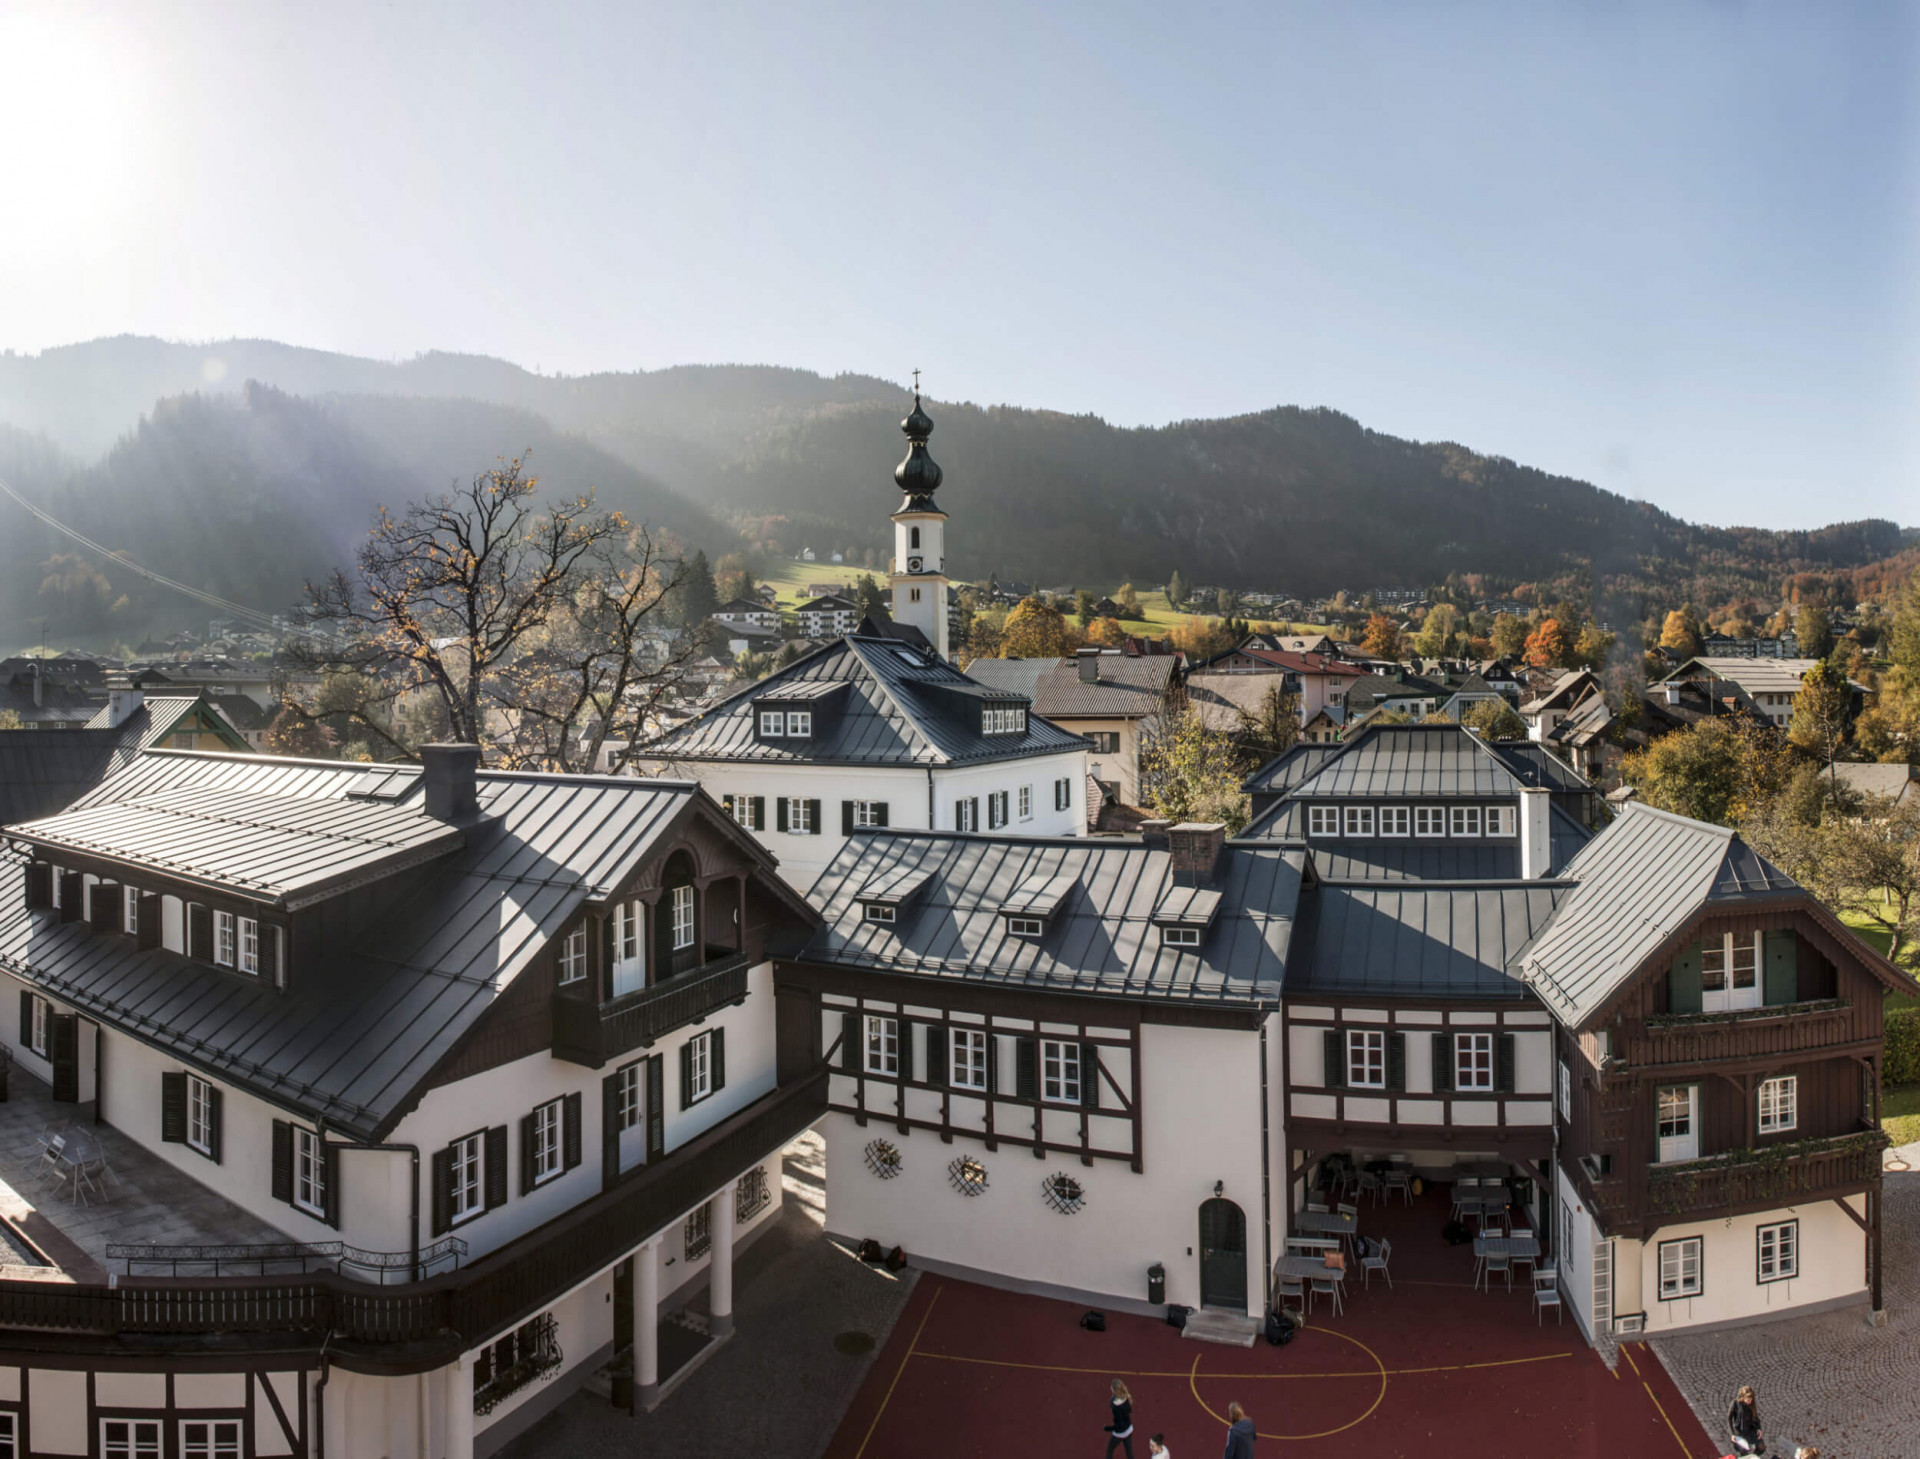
[1062,1192]
[967,1175]
[883,1158]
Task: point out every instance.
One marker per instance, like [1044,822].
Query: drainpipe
[1266,1188]
[320,1403]
[931,823]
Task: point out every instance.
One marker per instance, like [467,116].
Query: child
[1157,1446]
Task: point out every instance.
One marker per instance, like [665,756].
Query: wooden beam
[1853,1215]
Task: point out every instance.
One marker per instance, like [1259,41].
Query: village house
[828,616]
[748,613]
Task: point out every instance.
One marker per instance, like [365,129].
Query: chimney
[449,771]
[1673,692]
[1153,834]
[1089,665]
[123,700]
[1536,833]
[1196,850]
[36,683]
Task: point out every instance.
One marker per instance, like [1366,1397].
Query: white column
[720,1267]
[646,1323]
[460,1409]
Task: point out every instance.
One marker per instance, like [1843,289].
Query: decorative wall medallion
[967,1175]
[883,1158]
[1065,1194]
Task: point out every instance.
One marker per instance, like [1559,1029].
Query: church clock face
[913,564]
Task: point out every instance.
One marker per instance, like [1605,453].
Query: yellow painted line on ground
[1183,1372]
[1193,1386]
[1627,1349]
[904,1360]
[1665,1420]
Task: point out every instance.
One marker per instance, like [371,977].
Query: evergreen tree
[699,597]
[1812,630]
[1176,590]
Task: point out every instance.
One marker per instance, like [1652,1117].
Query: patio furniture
[1501,1264]
[1546,1293]
[1325,1286]
[1352,1213]
[72,1160]
[1366,1182]
[1320,1207]
[1376,1261]
[1295,1288]
[1497,1253]
[1326,1223]
[1401,1181]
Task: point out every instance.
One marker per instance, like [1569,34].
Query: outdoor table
[76,1150]
[1325,1223]
[1525,1247]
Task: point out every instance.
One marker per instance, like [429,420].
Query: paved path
[1827,1380]
[778,1388]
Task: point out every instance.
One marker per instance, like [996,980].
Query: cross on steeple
[916,384]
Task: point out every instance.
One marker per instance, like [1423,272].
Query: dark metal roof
[1412,760]
[1038,896]
[1101,941]
[1538,767]
[1419,940]
[43,771]
[895,713]
[1404,860]
[1129,687]
[1290,767]
[360,1027]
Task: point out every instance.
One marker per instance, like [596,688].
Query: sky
[1670,248]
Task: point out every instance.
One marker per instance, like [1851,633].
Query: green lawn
[1900,1113]
[1879,939]
[790,577]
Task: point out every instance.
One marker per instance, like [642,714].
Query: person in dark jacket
[1120,1431]
[1240,1433]
[1743,1423]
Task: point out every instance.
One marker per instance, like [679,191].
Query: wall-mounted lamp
[1219,1188]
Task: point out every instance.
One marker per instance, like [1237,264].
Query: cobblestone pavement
[778,1388]
[1827,1380]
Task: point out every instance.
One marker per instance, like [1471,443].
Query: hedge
[1903,1047]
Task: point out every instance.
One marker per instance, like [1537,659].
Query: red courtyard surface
[1431,1368]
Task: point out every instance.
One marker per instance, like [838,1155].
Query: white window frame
[629,925]
[224,1438]
[1723,962]
[799,724]
[39,1036]
[967,1058]
[1779,1104]
[549,1157]
[743,811]
[882,1045]
[1681,1265]
[1026,802]
[800,816]
[1464,820]
[629,1095]
[1059,1072]
[1323,820]
[1473,1063]
[1776,1252]
[699,1066]
[1501,820]
[225,939]
[1366,1058]
[878,913]
[1063,794]
[468,1184]
[864,815]
[1028,927]
[1429,820]
[1566,1091]
[682,912]
[132,1438]
[130,910]
[573,956]
[1180,936]
[199,1115]
[966,814]
[249,945]
[1359,820]
[773,724]
[1667,1112]
[309,1171]
[996,809]
[1395,820]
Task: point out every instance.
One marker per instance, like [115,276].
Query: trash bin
[1156,1284]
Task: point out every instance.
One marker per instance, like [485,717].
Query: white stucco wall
[1832,1266]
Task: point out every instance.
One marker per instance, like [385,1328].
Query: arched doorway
[1223,1255]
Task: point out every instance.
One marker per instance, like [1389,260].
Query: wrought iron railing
[536,1355]
[592,1033]
[286,1258]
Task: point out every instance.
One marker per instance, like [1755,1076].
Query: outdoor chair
[1401,1181]
[1367,1182]
[1346,1209]
[1327,1287]
[1546,1293]
[1320,1207]
[1376,1261]
[1294,1288]
[1500,1264]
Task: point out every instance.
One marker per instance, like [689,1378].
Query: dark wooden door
[65,1039]
[1223,1255]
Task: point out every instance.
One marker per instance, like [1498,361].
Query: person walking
[1120,1431]
[1240,1433]
[1157,1447]
[1743,1423]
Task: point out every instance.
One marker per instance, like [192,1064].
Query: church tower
[919,536]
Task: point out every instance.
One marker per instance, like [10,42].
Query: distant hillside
[1305,500]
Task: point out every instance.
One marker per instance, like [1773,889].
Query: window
[130,1438]
[1025,926]
[773,724]
[1473,1061]
[1059,1072]
[200,1114]
[869,814]
[1728,972]
[1063,795]
[129,923]
[878,913]
[547,1159]
[223,939]
[249,946]
[799,723]
[1429,820]
[573,956]
[1566,1091]
[469,1198]
[682,917]
[1359,820]
[1366,1059]
[996,810]
[1779,1251]
[751,1194]
[913,594]
[1466,820]
[503,1368]
[1004,720]
[967,1068]
[1779,1104]
[1026,802]
[628,1110]
[202,1438]
[9,1435]
[966,814]
[37,1026]
[800,817]
[742,808]
[627,922]
[54,878]
[1180,936]
[1680,1268]
[309,1172]
[1393,820]
[883,1045]
[699,1067]
[1676,1125]
[1105,742]
[1323,820]
[697,1237]
[913,538]
[1500,820]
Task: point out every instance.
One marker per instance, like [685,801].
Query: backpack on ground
[1279,1329]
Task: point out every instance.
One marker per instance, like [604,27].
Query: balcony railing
[1694,1038]
[285,1258]
[1772,1174]
[592,1033]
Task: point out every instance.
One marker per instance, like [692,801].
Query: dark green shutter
[906,1049]
[173,1109]
[1026,1068]
[442,1191]
[1783,967]
[1443,1063]
[879,814]
[959,815]
[73,891]
[496,1173]
[199,931]
[1503,1063]
[330,1174]
[570,1131]
[759,813]
[656,1107]
[936,1053]
[283,1163]
[105,912]
[780,813]
[26,1019]
[1683,981]
[813,817]
[216,1123]
[850,1042]
[1335,1055]
[610,1129]
[1396,1061]
[846,818]
[63,1036]
[526,1154]
[267,939]
[717,1058]
[1090,1076]
[993,1063]
[726,804]
[39,883]
[686,1074]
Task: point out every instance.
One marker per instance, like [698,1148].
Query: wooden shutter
[173,1108]
[496,1172]
[879,813]
[330,1174]
[846,818]
[39,875]
[268,941]
[993,1062]
[610,1129]
[1683,981]
[283,1162]
[526,1154]
[1396,1061]
[759,813]
[656,1108]
[73,891]
[26,1019]
[216,1123]
[570,1131]
[717,1057]
[150,921]
[780,813]
[104,906]
[960,815]
[1026,1068]
[64,1040]
[1782,950]
[606,956]
[1503,1063]
[442,1191]
[1090,1075]
[1335,1054]
[686,1074]
[936,1053]
[199,932]
[973,809]
[906,1049]
[813,817]
[850,1042]
[1443,1063]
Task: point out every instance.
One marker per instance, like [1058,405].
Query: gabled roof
[1891,782]
[1399,760]
[1536,766]
[1754,676]
[1102,940]
[1129,686]
[829,603]
[43,771]
[1566,690]
[1419,939]
[898,711]
[1290,767]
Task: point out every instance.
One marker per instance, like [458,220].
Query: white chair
[1500,1264]
[1376,1260]
[1317,1206]
[1348,1210]
[1546,1293]
[1326,1287]
[1295,1289]
[1402,1181]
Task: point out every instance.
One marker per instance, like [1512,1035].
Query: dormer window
[1027,927]
[1180,936]
[1501,820]
[224,938]
[573,956]
[1466,820]
[1003,720]
[1393,820]
[1429,820]
[799,723]
[878,913]
[1323,820]
[1359,820]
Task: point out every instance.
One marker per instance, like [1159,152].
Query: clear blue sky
[1670,248]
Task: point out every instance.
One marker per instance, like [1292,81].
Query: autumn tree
[1495,719]
[1819,727]
[1189,772]
[295,733]
[1508,636]
[1107,633]
[1812,631]
[1547,645]
[1681,633]
[1176,589]
[1437,632]
[1594,648]
[1692,772]
[1129,602]
[1876,856]
[1382,639]
[1036,630]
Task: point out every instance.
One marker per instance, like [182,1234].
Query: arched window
[914,539]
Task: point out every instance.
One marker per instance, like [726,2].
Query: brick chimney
[1089,660]
[1196,847]
[450,773]
[1153,834]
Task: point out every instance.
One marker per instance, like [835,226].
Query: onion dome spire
[919,474]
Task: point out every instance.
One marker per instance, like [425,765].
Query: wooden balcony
[1749,1180]
[1698,1038]
[592,1033]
